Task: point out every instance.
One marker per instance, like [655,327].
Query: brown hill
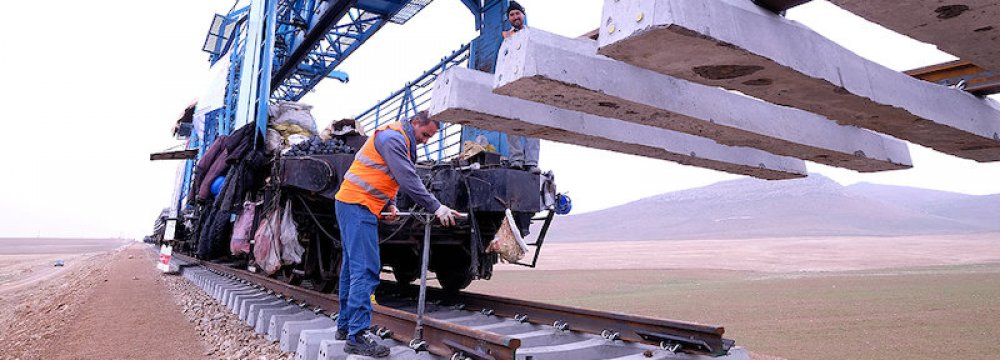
[814,206]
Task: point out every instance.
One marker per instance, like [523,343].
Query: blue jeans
[359,269]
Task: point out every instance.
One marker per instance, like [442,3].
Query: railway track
[457,326]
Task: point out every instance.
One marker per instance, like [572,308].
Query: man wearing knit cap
[523,150]
[515,16]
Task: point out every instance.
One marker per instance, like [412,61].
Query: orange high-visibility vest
[368,181]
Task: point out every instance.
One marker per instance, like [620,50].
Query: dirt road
[113,307]
[130,315]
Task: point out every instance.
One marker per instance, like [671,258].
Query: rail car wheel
[325,285]
[454,281]
[404,261]
[322,263]
[292,275]
[405,274]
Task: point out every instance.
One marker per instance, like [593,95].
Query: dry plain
[805,298]
[816,298]
[28,261]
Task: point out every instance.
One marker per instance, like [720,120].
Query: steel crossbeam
[314,37]
[331,49]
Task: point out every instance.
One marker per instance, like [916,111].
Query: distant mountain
[813,206]
[977,210]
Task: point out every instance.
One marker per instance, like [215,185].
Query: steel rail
[690,337]
[440,337]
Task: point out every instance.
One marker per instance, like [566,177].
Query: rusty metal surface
[317,174]
[174,155]
[442,338]
[977,80]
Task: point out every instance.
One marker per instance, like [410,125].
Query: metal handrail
[414,97]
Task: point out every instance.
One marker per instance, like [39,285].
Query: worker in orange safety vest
[383,167]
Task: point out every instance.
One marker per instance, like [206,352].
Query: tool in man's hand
[394,216]
[417,344]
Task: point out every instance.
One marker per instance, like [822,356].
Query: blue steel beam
[314,37]
[267,59]
[484,57]
[332,49]
[476,7]
[225,122]
[302,32]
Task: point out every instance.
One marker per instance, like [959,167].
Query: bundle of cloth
[289,123]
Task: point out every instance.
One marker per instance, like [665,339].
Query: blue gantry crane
[281,49]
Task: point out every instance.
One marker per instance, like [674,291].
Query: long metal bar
[425,259]
[174,155]
[250,67]
[541,240]
[442,338]
[224,124]
[267,56]
[692,337]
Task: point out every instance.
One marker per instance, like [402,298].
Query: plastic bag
[508,242]
[291,250]
[302,118]
[266,246]
[275,142]
[240,242]
[296,139]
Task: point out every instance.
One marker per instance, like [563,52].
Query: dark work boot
[341,334]
[363,344]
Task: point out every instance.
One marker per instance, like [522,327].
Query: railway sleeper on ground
[310,334]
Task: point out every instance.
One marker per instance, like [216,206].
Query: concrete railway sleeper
[457,326]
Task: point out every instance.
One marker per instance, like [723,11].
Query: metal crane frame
[281,49]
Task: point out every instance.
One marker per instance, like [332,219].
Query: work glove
[393,214]
[446,215]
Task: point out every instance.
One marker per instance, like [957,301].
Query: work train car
[297,189]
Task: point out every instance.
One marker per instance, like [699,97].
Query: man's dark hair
[423,118]
[515,6]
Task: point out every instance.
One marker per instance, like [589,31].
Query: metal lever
[407,213]
[428,220]
[418,332]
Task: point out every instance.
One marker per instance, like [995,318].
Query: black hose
[316,221]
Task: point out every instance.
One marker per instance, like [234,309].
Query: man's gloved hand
[446,215]
[393,214]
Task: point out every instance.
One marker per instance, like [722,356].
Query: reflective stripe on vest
[368,181]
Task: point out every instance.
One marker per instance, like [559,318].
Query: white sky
[94,87]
